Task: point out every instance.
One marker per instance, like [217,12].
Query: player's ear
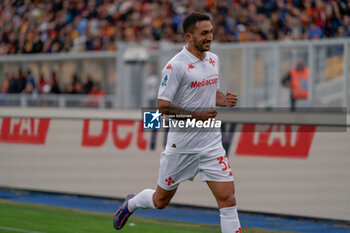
[188,36]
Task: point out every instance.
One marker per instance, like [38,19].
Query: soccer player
[190,85]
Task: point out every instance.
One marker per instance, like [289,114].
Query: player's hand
[206,114]
[231,99]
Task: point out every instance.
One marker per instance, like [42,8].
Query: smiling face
[201,37]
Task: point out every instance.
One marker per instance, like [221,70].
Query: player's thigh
[216,171]
[214,166]
[224,193]
[175,169]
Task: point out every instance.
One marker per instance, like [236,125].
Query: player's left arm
[228,100]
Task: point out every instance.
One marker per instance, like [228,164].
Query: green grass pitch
[33,218]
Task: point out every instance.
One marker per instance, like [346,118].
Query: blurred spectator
[297,81]
[94,96]
[22,80]
[88,85]
[29,89]
[6,83]
[75,86]
[38,44]
[43,26]
[96,90]
[314,32]
[346,24]
[152,84]
[42,84]
[30,83]
[55,89]
[14,84]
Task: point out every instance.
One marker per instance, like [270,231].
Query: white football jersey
[191,84]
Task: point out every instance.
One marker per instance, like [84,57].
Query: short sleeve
[171,78]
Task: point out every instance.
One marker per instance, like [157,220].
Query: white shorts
[176,168]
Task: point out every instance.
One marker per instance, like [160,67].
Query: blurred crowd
[49,26]
[25,83]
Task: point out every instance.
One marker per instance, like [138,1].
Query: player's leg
[216,171]
[292,103]
[151,199]
[224,193]
[123,213]
[174,169]
[162,197]
[146,199]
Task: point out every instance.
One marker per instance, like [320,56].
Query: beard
[200,44]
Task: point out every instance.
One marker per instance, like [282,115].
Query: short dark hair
[190,21]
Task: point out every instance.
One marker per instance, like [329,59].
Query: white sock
[229,220]
[143,199]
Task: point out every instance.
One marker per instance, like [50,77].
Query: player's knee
[228,200]
[161,204]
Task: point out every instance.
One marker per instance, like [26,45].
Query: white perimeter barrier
[305,172]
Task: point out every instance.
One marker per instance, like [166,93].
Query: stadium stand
[74,44]
[41,26]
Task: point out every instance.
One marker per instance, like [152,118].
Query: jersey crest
[211,61]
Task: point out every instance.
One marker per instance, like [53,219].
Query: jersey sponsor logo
[24,130]
[165,80]
[211,61]
[169,67]
[190,66]
[151,120]
[276,140]
[204,82]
